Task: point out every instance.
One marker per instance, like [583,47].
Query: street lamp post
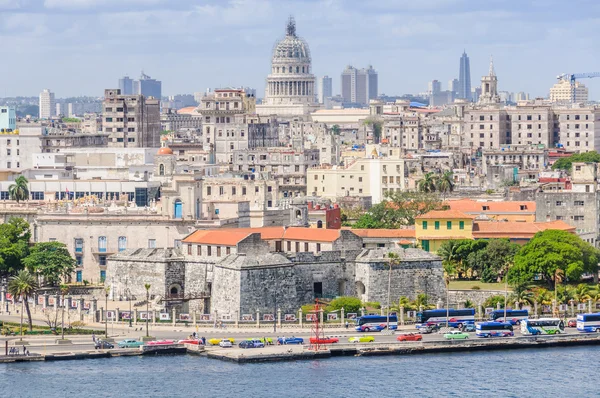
[106,290]
[147,287]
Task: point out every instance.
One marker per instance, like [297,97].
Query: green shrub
[349,304]
[475,287]
[493,301]
[372,304]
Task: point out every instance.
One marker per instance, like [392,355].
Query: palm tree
[522,297]
[24,285]
[64,289]
[469,304]
[147,287]
[450,258]
[427,183]
[581,293]
[19,190]
[445,183]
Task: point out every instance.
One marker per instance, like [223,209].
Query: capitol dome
[290,81]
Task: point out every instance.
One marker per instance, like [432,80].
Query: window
[79,276]
[437,225]
[318,247]
[448,224]
[189,247]
[37,195]
[78,245]
[578,218]
[208,250]
[579,203]
[297,247]
[424,224]
[269,188]
[305,246]
[122,243]
[221,191]
[218,251]
[102,244]
[243,190]
[151,243]
[289,246]
[102,276]
[559,203]
[461,225]
[79,260]
[228,249]
[208,190]
[102,260]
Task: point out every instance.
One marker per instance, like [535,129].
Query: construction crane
[572,77]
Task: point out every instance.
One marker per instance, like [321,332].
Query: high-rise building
[325,88]
[126,85]
[453,87]
[562,92]
[47,104]
[464,78]
[8,119]
[359,86]
[147,87]
[434,87]
[131,120]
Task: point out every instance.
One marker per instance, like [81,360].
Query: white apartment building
[532,125]
[579,128]
[47,104]
[487,127]
[562,92]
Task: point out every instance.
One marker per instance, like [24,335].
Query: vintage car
[362,339]
[456,335]
[160,342]
[255,343]
[290,340]
[410,337]
[215,341]
[324,340]
[130,343]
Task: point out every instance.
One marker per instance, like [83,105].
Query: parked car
[264,340]
[215,341]
[324,340]
[427,329]
[225,343]
[255,343]
[103,345]
[130,343]
[190,341]
[409,337]
[456,335]
[572,323]
[290,340]
[468,327]
[362,339]
[160,342]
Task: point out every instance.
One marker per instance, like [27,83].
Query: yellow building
[437,226]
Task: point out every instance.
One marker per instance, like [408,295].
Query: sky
[81,47]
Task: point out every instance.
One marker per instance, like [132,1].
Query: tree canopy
[553,252]
[14,245]
[19,191]
[399,209]
[566,163]
[50,260]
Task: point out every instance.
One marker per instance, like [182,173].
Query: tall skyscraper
[359,85]
[126,85]
[47,104]
[325,88]
[464,78]
[434,87]
[453,87]
[148,87]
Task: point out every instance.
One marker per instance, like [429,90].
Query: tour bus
[494,329]
[514,317]
[456,318]
[376,323]
[542,326]
[588,323]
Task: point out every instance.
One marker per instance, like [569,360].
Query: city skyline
[83,33]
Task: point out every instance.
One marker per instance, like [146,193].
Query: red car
[325,340]
[160,342]
[572,323]
[410,337]
[190,341]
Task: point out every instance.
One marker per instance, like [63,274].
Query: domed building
[291,88]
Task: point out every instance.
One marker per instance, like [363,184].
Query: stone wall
[458,297]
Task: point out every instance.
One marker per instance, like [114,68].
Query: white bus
[542,326]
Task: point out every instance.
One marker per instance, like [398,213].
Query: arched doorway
[178,209]
[360,290]
[319,224]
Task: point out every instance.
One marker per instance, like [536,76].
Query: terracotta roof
[384,233]
[405,242]
[473,206]
[441,237]
[515,230]
[189,110]
[311,234]
[225,237]
[266,233]
[444,214]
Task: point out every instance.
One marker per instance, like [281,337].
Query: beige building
[562,92]
[579,128]
[487,127]
[532,125]
[131,120]
[372,177]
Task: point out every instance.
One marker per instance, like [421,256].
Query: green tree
[19,191]
[14,245]
[399,209]
[350,304]
[582,292]
[445,183]
[23,285]
[335,129]
[460,252]
[552,250]
[493,301]
[51,261]
[428,183]
[567,163]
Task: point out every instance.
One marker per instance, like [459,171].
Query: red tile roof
[312,234]
[473,206]
[232,236]
[444,214]
[225,237]
[516,230]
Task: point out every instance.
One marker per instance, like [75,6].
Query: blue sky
[80,47]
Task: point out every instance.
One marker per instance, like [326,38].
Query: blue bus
[588,323]
[456,318]
[514,317]
[376,323]
[494,329]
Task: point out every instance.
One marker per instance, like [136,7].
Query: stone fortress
[231,273]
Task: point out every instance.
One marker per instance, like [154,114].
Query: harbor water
[518,373]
